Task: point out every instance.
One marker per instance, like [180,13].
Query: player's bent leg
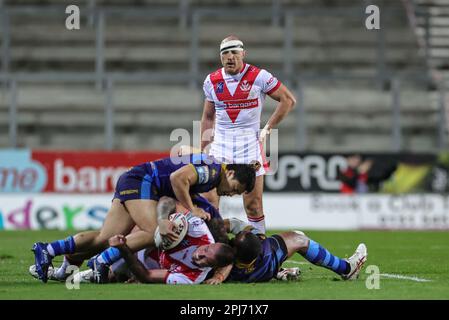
[75,259]
[144,214]
[254,207]
[297,241]
[117,221]
[45,252]
[82,237]
[140,240]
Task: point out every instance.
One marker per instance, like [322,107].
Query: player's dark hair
[224,255]
[218,230]
[247,246]
[245,174]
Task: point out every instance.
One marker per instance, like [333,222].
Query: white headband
[231,45]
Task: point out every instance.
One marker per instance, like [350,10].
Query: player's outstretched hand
[166,229]
[213,281]
[200,213]
[117,241]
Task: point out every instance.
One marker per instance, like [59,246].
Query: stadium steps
[194,3]
[146,113]
[341,56]
[40,44]
[130,97]
[318,141]
[153,112]
[43,32]
[79,139]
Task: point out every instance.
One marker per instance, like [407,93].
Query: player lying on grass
[187,263]
[135,201]
[258,258]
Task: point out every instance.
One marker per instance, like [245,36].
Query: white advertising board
[282,211]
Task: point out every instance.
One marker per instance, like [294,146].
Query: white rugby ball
[181,228]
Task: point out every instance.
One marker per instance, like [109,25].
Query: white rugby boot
[51,273]
[86,276]
[356,261]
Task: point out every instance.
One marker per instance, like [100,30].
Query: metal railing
[186,15]
[396,86]
[302,136]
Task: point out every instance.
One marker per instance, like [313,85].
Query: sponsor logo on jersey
[245,86]
[270,81]
[125,192]
[242,104]
[246,268]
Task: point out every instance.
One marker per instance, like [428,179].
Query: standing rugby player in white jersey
[232,108]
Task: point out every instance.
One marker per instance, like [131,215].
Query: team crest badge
[220,86]
[245,86]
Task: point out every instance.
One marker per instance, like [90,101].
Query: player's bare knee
[101,241]
[301,240]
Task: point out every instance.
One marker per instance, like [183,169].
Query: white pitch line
[398,276]
[298,262]
[386,275]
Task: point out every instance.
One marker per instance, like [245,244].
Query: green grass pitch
[414,256]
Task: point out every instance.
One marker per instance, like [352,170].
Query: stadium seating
[66,114]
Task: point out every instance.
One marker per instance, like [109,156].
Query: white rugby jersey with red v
[238,101]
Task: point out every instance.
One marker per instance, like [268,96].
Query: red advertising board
[67,171]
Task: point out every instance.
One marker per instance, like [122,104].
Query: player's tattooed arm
[165,207]
[137,268]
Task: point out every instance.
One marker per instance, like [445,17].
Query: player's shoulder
[253,68]
[198,229]
[213,75]
[266,79]
[207,81]
[263,75]
[257,69]
[194,221]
